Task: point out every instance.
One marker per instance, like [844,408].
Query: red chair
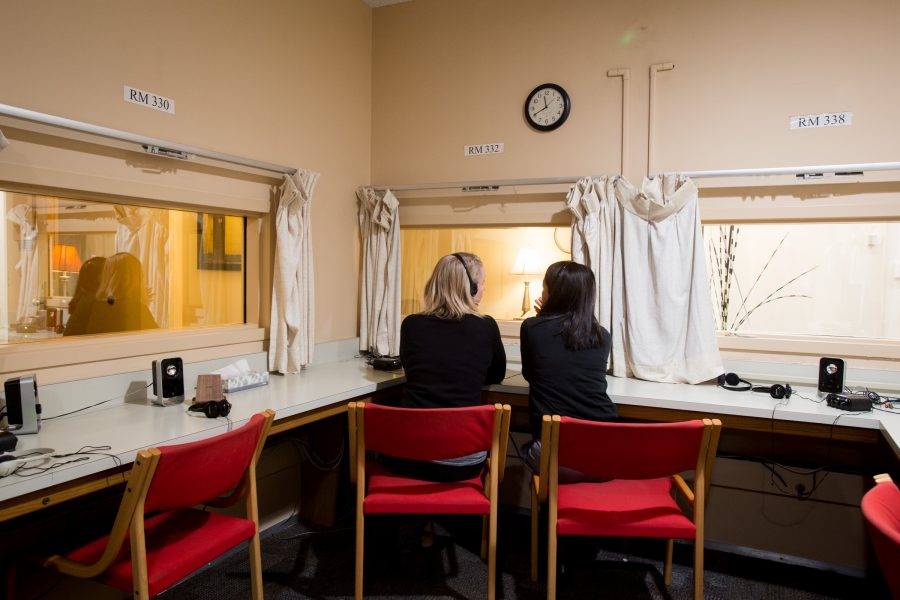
[881,509]
[640,463]
[169,539]
[427,434]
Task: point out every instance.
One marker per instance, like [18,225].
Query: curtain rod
[150,145]
[802,172]
[479,186]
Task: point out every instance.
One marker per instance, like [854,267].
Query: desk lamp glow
[66,260]
[527,264]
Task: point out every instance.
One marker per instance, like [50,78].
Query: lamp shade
[527,263]
[65,258]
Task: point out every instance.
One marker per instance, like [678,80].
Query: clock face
[547,107]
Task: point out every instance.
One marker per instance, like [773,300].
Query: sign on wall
[149,100]
[837,119]
[482,149]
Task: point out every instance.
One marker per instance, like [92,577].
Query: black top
[447,361]
[563,382]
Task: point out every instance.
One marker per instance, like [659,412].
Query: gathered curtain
[27,265]
[292,335]
[379,310]
[144,233]
[645,247]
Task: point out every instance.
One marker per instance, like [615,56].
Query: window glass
[827,279]
[500,248]
[75,267]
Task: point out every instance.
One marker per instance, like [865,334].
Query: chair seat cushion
[178,543]
[389,493]
[620,507]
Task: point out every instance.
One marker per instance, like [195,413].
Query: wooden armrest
[75,569]
[683,487]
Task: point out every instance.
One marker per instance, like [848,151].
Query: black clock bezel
[567,105]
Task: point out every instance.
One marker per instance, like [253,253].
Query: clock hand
[545,101]
[540,111]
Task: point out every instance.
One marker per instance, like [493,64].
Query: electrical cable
[93,405]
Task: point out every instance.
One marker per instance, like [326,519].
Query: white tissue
[239,376]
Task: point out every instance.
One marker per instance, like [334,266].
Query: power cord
[93,405]
[82,453]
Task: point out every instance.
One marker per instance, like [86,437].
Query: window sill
[69,359]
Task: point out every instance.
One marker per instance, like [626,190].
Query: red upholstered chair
[167,538]
[427,434]
[641,463]
[881,509]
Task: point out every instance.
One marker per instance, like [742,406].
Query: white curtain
[3,141]
[27,265]
[292,335]
[379,311]
[646,249]
[144,233]
[595,231]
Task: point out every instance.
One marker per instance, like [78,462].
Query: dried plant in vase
[724,281]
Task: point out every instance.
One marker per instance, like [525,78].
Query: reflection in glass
[76,267]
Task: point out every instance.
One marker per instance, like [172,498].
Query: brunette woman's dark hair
[571,294]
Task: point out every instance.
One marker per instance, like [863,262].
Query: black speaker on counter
[831,375]
[168,381]
[23,409]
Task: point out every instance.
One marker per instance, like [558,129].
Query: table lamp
[66,260]
[527,263]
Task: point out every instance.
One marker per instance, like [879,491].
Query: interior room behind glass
[76,267]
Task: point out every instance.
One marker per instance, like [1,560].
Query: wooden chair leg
[492,554]
[698,569]
[360,534]
[535,519]
[667,567]
[256,582]
[551,558]
[139,579]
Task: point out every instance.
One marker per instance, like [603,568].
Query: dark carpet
[308,562]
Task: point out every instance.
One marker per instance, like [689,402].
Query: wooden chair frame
[695,496]
[130,520]
[495,466]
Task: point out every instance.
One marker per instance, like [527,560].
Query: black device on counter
[831,375]
[168,381]
[852,402]
[387,363]
[23,409]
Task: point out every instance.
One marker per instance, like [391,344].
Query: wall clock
[547,107]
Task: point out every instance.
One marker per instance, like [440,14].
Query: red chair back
[428,433]
[629,450]
[881,509]
[196,472]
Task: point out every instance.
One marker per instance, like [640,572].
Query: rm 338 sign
[823,120]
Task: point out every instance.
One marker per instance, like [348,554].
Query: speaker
[731,381]
[831,375]
[23,409]
[212,409]
[473,287]
[777,391]
[168,381]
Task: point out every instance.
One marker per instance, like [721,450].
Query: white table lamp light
[527,264]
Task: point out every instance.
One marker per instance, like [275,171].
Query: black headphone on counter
[777,391]
[212,409]
[473,287]
[731,381]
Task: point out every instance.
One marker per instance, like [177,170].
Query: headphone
[473,287]
[777,391]
[731,381]
[212,409]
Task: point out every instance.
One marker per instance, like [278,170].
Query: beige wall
[448,74]
[282,81]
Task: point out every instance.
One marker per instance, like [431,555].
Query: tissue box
[245,381]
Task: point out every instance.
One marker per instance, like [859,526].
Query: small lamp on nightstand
[66,260]
[527,264]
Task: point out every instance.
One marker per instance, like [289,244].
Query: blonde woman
[449,352]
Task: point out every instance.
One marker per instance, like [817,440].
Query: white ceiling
[377,3]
